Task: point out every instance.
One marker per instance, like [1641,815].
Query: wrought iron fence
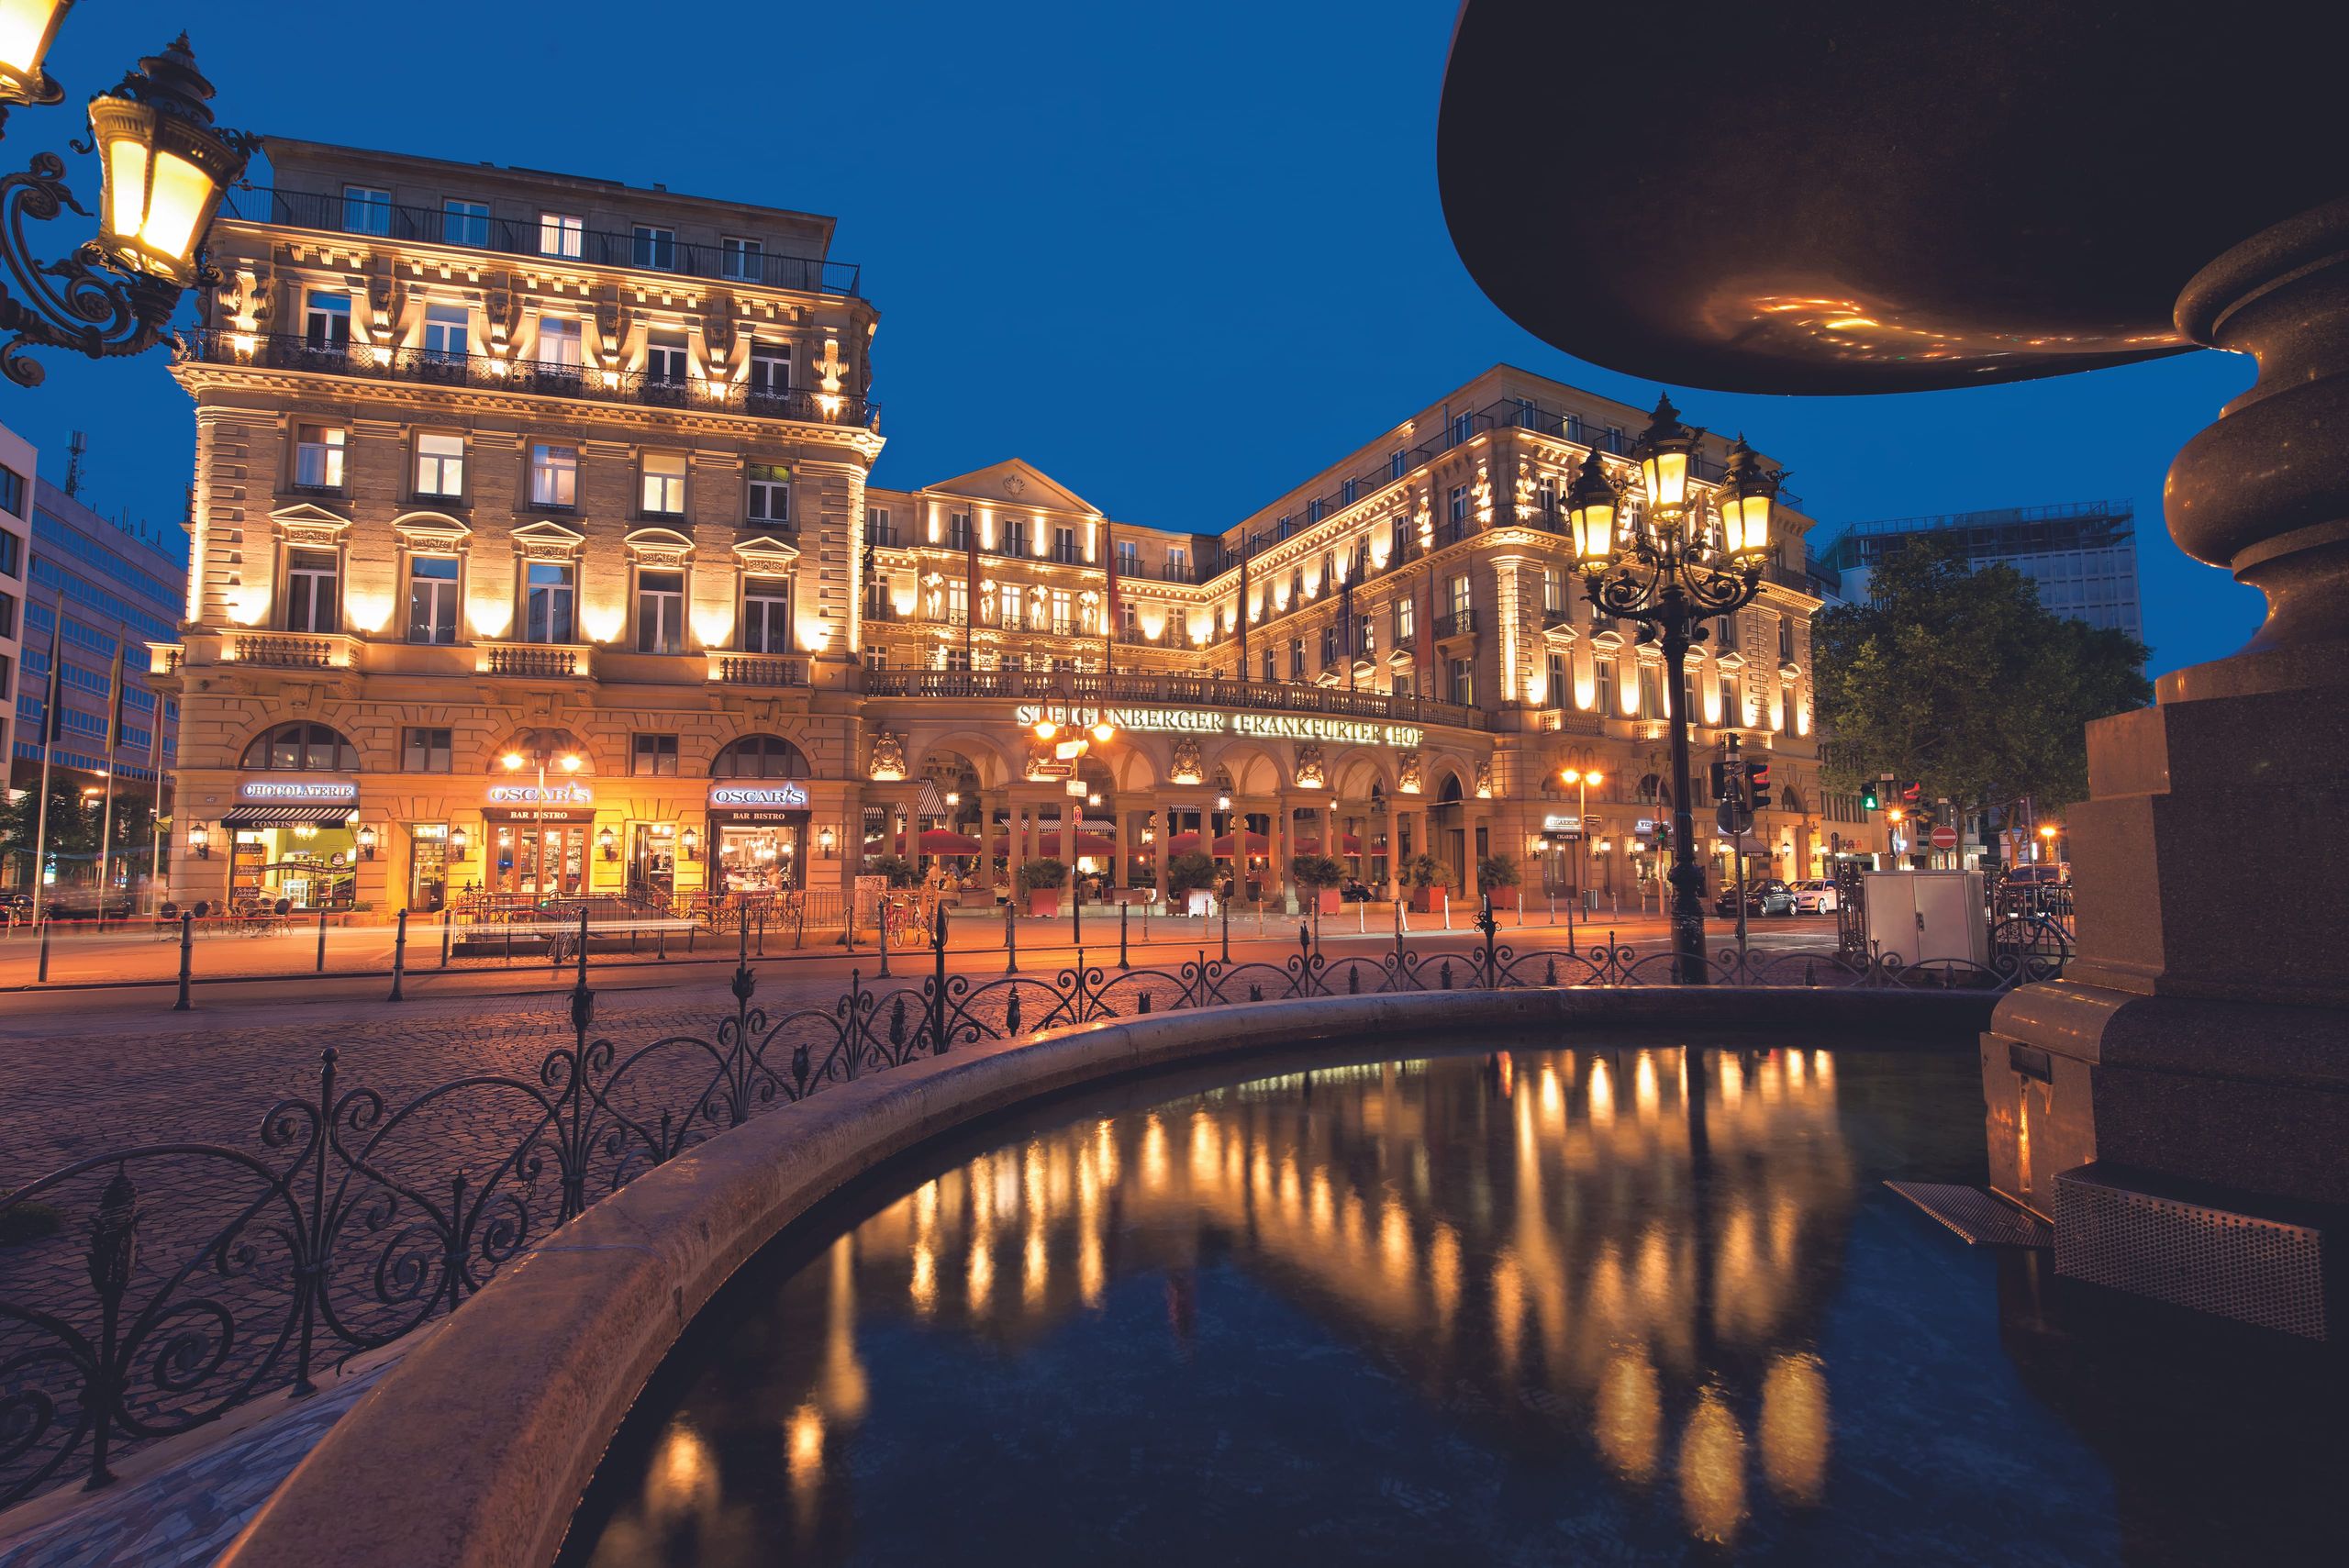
[182,1279]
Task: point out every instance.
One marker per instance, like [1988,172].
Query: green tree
[1962,681]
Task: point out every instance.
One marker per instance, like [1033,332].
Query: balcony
[1047,686]
[532,660]
[314,209]
[431,367]
[757,669]
[292,649]
[1459,623]
[1557,619]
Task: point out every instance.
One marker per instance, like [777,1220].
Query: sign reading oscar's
[1216,721]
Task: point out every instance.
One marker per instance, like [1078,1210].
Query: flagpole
[114,735]
[47,748]
[155,815]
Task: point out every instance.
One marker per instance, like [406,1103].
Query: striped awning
[287,817]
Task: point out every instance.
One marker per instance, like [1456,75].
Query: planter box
[1329,901]
[1426,900]
[1201,901]
[1044,903]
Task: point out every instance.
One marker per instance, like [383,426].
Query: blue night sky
[1179,258]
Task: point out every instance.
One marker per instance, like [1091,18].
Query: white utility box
[1928,916]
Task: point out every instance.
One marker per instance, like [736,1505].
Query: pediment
[766,551]
[436,527]
[658,547]
[1017,482]
[303,522]
[548,542]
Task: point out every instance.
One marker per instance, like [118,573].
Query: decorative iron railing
[179,1280]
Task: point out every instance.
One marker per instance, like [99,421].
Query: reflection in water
[1550,1273]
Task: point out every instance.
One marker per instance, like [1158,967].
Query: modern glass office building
[2083,555]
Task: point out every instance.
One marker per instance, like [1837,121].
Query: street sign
[1944,836]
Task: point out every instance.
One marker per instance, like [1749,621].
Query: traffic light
[1757,785]
[1721,781]
[1869,800]
[1913,794]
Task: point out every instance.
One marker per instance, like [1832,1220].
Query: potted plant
[1190,882]
[1042,881]
[1496,873]
[1320,876]
[896,868]
[1422,874]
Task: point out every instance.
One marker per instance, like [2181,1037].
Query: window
[424,750]
[1402,682]
[1128,617]
[1785,638]
[665,358]
[1398,541]
[653,756]
[665,484]
[876,526]
[1366,636]
[1272,673]
[1732,703]
[1650,700]
[1128,559]
[659,611]
[958,602]
[1458,507]
[432,599]
[1464,682]
[1063,620]
[310,598]
[463,222]
[12,493]
[877,659]
[769,369]
[559,342]
[1558,681]
[761,757]
[12,549]
[1329,645]
[550,601]
[1462,426]
[1178,564]
[1297,658]
[958,530]
[769,493]
[440,465]
[655,248]
[1602,685]
[317,456]
[326,319]
[1012,599]
[1405,612]
[561,234]
[1545,498]
[766,615]
[739,258]
[302,748]
[1689,703]
[554,477]
[7,615]
[1398,463]
[1725,634]
[366,210]
[1463,599]
[446,331]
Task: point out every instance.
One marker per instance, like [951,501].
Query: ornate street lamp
[163,167]
[1672,568]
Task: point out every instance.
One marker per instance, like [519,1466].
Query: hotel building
[534,552]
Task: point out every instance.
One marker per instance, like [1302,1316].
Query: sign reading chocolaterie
[298,792]
[758,797]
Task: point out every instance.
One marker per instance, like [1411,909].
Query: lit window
[665,484]
[561,234]
[464,223]
[554,477]
[446,333]
[559,341]
[738,258]
[1063,621]
[439,464]
[366,210]
[317,456]
[326,319]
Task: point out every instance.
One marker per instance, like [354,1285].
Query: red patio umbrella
[939,841]
[1257,845]
[1184,843]
[1348,844]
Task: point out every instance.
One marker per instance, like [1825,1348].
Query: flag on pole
[52,706]
[113,708]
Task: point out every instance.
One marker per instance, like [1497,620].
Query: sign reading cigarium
[1214,721]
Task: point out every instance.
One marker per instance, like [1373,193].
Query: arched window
[761,757]
[1450,793]
[304,748]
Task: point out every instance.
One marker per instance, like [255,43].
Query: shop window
[302,748]
[766,615]
[653,756]
[311,578]
[432,599]
[761,757]
[659,611]
[425,750]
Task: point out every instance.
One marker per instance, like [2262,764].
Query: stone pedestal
[2197,1050]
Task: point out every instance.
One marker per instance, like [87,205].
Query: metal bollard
[762,930]
[885,939]
[1226,928]
[1011,939]
[1447,908]
[46,921]
[660,934]
[448,928]
[399,957]
[187,957]
[322,942]
[1122,938]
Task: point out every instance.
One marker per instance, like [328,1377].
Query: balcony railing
[1459,623]
[759,670]
[1047,686]
[286,351]
[312,209]
[291,650]
[539,660]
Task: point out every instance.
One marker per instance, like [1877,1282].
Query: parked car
[1764,896]
[81,903]
[1815,897]
[1351,891]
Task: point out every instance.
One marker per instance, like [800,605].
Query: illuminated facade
[500,472]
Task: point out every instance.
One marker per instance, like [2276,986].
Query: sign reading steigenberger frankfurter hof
[299,792]
[759,797]
[1217,721]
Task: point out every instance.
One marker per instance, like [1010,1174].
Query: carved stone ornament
[1309,775]
[831,365]
[1186,768]
[1013,484]
[1407,772]
[888,758]
[717,334]
[1484,781]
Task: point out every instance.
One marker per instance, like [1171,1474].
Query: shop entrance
[427,882]
[652,859]
[761,856]
[545,859]
[292,857]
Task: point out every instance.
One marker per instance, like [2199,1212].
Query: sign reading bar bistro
[1217,721]
[298,792]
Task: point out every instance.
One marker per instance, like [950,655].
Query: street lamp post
[1582,778]
[1671,568]
[569,762]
